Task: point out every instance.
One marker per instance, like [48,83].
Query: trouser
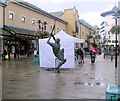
[111,57]
[78,58]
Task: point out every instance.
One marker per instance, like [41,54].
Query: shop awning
[4,32]
[14,31]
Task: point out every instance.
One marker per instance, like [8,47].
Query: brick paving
[22,79]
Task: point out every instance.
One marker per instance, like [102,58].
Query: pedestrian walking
[82,55]
[0,57]
[4,54]
[7,56]
[112,52]
[35,52]
[8,52]
[17,52]
[105,52]
[92,53]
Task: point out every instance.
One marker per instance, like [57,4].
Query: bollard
[113,92]
[36,59]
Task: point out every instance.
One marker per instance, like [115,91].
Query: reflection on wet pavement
[23,79]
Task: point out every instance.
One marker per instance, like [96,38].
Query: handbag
[6,56]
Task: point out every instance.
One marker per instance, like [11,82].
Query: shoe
[58,71]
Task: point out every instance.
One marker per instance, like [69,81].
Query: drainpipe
[4,15]
[80,30]
[4,18]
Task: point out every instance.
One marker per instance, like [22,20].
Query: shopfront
[16,41]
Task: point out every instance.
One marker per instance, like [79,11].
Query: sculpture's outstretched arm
[52,32]
[48,41]
[53,37]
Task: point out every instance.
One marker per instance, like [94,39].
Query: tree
[46,34]
[115,29]
[97,40]
[98,37]
[94,38]
[42,34]
[89,38]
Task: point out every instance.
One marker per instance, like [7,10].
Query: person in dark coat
[4,54]
[80,55]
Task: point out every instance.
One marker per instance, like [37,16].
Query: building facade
[2,8]
[109,22]
[21,23]
[84,29]
[102,31]
[72,17]
[76,27]
[23,19]
[27,16]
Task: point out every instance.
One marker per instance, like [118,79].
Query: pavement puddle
[90,84]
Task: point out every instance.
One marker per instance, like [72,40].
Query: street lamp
[42,25]
[39,22]
[74,33]
[115,12]
[115,17]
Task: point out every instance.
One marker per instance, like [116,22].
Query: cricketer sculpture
[59,53]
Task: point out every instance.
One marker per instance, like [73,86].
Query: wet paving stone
[29,81]
[98,83]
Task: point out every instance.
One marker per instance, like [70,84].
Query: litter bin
[113,92]
[36,59]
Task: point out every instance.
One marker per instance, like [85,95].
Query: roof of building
[57,14]
[8,30]
[2,4]
[37,9]
[81,21]
[111,12]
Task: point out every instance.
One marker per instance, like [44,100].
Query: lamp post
[39,24]
[116,42]
[113,89]
[115,12]
[74,33]
[42,25]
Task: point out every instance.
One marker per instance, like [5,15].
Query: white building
[109,38]
[102,31]
[119,22]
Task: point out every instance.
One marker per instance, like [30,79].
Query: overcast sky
[89,10]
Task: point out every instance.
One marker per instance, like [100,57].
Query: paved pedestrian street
[22,79]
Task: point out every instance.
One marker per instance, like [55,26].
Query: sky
[89,10]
